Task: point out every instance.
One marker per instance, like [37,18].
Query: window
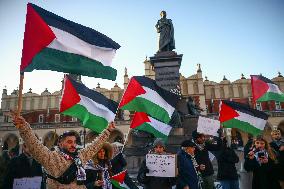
[74,119]
[40,118]
[258,106]
[6,119]
[277,105]
[57,118]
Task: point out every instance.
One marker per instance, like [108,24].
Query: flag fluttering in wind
[237,115]
[264,89]
[141,121]
[144,95]
[55,43]
[118,180]
[91,107]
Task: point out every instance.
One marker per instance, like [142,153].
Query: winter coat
[151,182]
[53,161]
[118,163]
[20,167]
[202,156]
[227,158]
[263,177]
[186,173]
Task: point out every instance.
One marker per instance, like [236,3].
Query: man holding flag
[65,167]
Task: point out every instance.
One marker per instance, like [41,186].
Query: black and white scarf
[80,173]
[196,166]
[199,146]
[105,173]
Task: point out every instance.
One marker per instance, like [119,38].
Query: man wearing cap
[65,165]
[189,176]
[202,156]
[151,182]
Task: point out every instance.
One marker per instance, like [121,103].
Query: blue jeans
[230,184]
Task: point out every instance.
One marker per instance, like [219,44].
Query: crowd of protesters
[66,166]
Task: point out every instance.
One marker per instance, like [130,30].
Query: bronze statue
[165,28]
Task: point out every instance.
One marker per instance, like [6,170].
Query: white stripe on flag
[273,88]
[154,97]
[96,108]
[67,42]
[160,126]
[254,121]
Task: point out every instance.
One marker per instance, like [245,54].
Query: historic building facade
[42,110]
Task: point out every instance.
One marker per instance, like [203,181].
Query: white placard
[27,183]
[208,126]
[161,165]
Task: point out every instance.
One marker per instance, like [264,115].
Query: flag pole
[20,97]
[125,140]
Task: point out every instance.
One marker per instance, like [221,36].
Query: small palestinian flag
[55,43]
[141,121]
[91,107]
[144,95]
[264,89]
[237,115]
[118,180]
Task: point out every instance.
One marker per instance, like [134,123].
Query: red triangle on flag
[38,35]
[138,119]
[119,177]
[70,97]
[133,90]
[227,113]
[259,87]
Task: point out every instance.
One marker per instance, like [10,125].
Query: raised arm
[51,161]
[88,152]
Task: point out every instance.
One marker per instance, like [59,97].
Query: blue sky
[227,37]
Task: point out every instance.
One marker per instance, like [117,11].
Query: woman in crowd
[261,160]
[98,169]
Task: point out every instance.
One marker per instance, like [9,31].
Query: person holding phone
[261,160]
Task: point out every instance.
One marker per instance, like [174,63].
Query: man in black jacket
[20,167]
[202,156]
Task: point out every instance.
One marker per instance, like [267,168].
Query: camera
[260,154]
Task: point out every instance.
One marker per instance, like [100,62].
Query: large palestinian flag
[118,180]
[141,121]
[54,43]
[91,107]
[264,89]
[237,115]
[144,95]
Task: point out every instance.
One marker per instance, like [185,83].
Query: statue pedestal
[166,66]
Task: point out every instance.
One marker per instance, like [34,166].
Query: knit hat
[160,142]
[187,143]
[196,135]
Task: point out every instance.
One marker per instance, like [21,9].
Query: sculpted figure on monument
[193,109]
[165,28]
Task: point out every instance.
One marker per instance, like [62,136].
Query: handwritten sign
[208,126]
[161,165]
[27,183]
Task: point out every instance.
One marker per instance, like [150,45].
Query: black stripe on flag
[169,97]
[94,95]
[84,33]
[246,109]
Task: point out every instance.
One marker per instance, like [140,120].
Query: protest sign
[27,183]
[208,126]
[161,165]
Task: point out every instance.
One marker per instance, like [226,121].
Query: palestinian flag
[237,115]
[141,121]
[264,89]
[54,43]
[144,95]
[118,180]
[91,107]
